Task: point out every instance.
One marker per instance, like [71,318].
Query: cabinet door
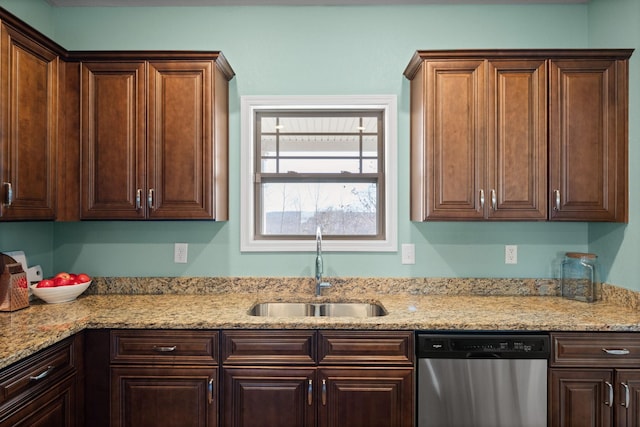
[628,397]
[452,168]
[517,140]
[580,398]
[366,397]
[54,408]
[180,162]
[28,104]
[270,396]
[587,140]
[113,140]
[163,396]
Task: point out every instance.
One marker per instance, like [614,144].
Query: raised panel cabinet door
[180,162]
[113,184]
[581,398]
[270,396]
[517,140]
[588,140]
[56,407]
[628,397]
[449,163]
[29,98]
[163,396]
[366,397]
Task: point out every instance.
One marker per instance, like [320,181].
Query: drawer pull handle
[210,389]
[626,395]
[609,402]
[310,393]
[324,392]
[43,374]
[616,351]
[165,349]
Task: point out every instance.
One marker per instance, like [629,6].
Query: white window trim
[249,104]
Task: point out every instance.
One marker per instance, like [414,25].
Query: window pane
[320,145]
[345,208]
[320,165]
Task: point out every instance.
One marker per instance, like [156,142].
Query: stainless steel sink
[328,309]
[351,309]
[283,309]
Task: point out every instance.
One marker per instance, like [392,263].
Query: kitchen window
[318,161]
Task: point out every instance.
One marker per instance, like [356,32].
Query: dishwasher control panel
[482,345]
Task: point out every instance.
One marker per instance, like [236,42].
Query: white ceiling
[120,3]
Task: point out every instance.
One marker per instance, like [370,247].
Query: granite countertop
[26,331]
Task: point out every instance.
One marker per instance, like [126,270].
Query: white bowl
[60,294]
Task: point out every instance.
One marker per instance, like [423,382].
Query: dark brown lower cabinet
[44,390]
[55,408]
[365,397]
[268,396]
[290,397]
[163,396]
[317,379]
[594,380]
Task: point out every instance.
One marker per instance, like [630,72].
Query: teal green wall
[616,24]
[286,50]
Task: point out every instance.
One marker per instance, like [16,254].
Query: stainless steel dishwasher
[482,380]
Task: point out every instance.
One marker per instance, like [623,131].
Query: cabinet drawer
[268,347]
[366,347]
[38,371]
[175,347]
[595,349]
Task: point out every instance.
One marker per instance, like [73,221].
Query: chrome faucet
[319,264]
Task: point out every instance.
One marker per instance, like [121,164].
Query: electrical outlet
[408,253]
[511,254]
[180,253]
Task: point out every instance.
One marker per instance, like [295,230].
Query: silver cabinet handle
[482,199]
[210,391]
[324,392]
[150,199]
[9,194]
[310,393]
[626,395]
[43,374]
[616,351]
[610,401]
[165,349]
[556,194]
[494,200]
[138,199]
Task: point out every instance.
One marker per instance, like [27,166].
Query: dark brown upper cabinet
[154,136]
[28,123]
[527,135]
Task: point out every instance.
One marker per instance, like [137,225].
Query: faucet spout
[319,264]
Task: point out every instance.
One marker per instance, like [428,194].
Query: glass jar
[579,278]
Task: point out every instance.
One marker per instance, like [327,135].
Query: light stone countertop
[26,331]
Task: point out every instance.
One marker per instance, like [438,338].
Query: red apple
[63,275]
[45,283]
[62,281]
[82,278]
